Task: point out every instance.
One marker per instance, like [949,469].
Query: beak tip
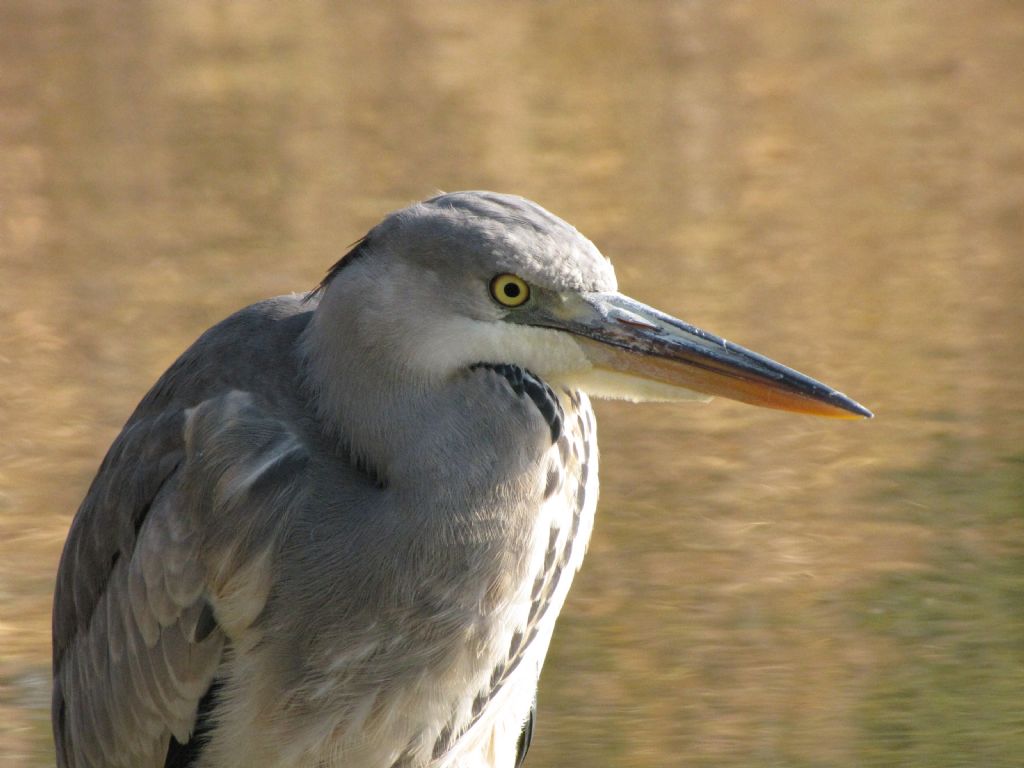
[851,406]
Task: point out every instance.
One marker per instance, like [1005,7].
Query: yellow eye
[510,290]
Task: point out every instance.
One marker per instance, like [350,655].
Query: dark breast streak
[575,442]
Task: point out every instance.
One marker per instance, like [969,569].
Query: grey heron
[339,529]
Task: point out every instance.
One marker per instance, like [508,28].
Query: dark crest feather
[357,249]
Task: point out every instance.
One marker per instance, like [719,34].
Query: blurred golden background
[839,185]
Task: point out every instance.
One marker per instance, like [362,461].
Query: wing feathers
[174,536]
[145,621]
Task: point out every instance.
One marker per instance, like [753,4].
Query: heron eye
[510,290]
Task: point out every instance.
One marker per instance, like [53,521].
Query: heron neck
[406,429]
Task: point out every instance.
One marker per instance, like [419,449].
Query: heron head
[479,277]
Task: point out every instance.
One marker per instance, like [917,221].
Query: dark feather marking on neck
[525,383]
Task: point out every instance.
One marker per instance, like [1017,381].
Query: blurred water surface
[837,185]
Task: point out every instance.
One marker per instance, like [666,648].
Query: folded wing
[166,567]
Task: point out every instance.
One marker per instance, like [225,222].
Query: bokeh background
[839,185]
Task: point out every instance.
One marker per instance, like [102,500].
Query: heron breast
[492,717]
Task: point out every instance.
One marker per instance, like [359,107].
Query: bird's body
[339,529]
[476,567]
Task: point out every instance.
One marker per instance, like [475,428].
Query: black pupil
[511,290]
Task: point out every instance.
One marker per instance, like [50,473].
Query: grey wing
[167,564]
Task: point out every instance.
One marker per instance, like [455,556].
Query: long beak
[624,336]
